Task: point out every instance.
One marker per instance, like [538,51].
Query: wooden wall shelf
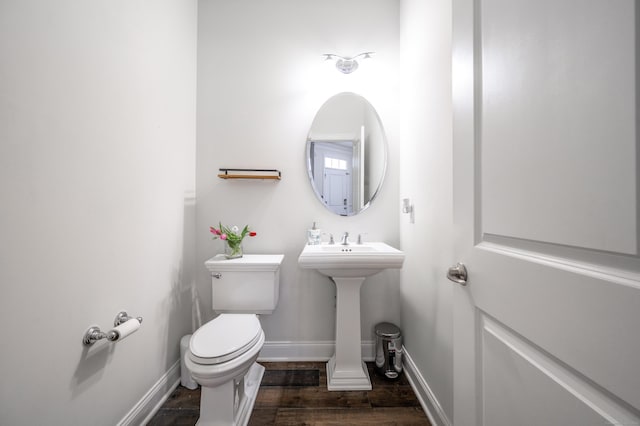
[250,174]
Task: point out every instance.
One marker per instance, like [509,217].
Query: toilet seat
[224,338]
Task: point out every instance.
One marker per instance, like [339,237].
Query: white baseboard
[427,398]
[282,351]
[144,410]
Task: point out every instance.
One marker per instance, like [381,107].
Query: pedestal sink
[348,266]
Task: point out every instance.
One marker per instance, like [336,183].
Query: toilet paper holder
[93,334]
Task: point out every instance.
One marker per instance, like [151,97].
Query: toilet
[222,353]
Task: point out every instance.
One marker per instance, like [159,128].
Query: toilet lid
[225,337]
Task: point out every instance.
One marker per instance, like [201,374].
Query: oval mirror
[346,154]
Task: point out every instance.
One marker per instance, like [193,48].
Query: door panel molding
[557,384]
[588,320]
[623,270]
[553,92]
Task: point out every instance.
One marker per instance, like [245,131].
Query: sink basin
[349,266]
[353,260]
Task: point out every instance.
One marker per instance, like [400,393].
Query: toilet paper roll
[124,330]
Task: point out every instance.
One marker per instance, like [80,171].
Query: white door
[547,329]
[336,192]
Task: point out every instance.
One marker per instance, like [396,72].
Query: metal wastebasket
[388,350]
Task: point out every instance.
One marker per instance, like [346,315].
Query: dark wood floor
[295,393]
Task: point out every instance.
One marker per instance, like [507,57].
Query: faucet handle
[345,239]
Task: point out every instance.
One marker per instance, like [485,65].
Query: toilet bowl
[222,353]
[222,359]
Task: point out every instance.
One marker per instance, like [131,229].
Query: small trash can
[185,376]
[388,350]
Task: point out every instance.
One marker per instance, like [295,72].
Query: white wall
[97,176]
[261,79]
[426,178]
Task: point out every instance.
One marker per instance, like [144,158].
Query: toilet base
[228,404]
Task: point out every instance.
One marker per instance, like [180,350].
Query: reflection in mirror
[346,154]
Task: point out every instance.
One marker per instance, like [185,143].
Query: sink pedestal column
[345,369]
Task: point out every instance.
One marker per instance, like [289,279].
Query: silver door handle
[458,274]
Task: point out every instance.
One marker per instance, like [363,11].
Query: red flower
[252,234]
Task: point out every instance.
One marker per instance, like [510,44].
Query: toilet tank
[249,284]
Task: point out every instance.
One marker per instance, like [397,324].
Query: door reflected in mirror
[346,154]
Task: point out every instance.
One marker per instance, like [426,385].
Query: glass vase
[233,250]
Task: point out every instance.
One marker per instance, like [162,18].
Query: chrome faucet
[345,239]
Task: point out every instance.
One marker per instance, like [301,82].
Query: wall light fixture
[347,64]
